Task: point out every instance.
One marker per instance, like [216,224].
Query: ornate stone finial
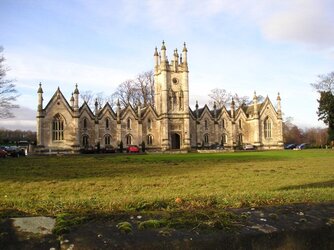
[96,102]
[40,90]
[76,91]
[118,104]
[232,102]
[184,47]
[214,105]
[163,47]
[254,94]
[196,105]
[72,98]
[278,96]
[156,52]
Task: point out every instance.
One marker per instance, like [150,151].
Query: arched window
[223,123]
[128,123]
[240,124]
[206,124]
[224,139]
[206,138]
[128,139]
[267,128]
[85,141]
[57,128]
[149,140]
[240,139]
[85,123]
[107,140]
[149,124]
[107,123]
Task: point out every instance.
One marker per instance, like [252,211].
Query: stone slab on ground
[296,226]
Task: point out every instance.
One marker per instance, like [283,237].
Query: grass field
[49,185]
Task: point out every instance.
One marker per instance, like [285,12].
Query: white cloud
[308,22]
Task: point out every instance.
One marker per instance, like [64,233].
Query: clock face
[175,80]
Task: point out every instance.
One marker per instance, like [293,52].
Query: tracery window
[224,139]
[128,139]
[107,140]
[85,141]
[57,128]
[206,138]
[149,140]
[267,128]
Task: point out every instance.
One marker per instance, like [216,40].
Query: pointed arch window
[85,141]
[224,139]
[149,123]
[57,128]
[107,123]
[149,140]
[240,124]
[107,139]
[240,139]
[223,123]
[267,128]
[206,138]
[128,123]
[85,123]
[128,139]
[206,124]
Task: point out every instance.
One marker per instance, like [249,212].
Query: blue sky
[266,45]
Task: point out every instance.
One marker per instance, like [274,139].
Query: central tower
[171,98]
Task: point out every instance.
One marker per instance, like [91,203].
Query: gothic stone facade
[169,124]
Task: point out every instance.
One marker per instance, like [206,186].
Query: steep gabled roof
[85,107]
[148,109]
[130,109]
[105,109]
[59,94]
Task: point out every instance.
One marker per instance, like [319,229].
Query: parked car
[3,153]
[132,149]
[302,146]
[108,149]
[249,147]
[15,151]
[290,146]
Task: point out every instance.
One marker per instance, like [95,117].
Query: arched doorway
[176,141]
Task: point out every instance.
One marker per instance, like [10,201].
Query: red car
[132,149]
[3,153]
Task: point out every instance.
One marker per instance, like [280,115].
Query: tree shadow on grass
[324,184]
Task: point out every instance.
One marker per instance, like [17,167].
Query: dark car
[15,151]
[290,146]
[302,146]
[132,149]
[3,153]
[108,149]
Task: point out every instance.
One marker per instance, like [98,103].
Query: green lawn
[50,185]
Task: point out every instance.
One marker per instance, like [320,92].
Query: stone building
[169,124]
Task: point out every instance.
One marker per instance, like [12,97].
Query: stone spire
[256,114]
[76,98]
[40,97]
[156,57]
[279,111]
[163,52]
[184,54]
[118,111]
[232,108]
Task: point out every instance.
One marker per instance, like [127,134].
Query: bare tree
[88,97]
[325,83]
[126,93]
[221,97]
[7,91]
[144,84]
